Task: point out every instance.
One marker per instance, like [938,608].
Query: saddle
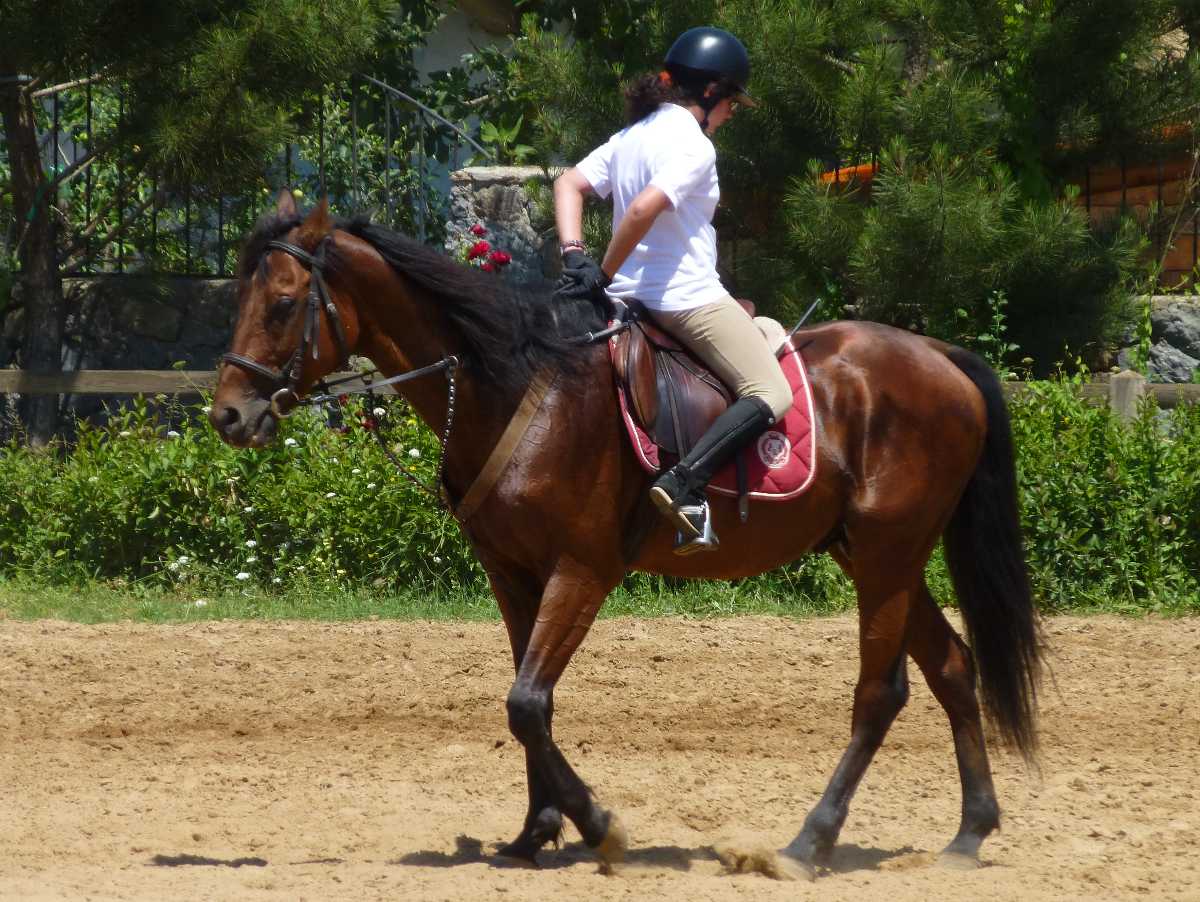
[673,396]
[669,398]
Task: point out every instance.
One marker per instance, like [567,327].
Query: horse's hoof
[521,852]
[752,859]
[613,846]
[958,861]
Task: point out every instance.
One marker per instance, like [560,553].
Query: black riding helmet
[711,54]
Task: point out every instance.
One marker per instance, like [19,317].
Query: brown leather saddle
[671,394]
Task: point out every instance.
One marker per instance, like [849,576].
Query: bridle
[286,397]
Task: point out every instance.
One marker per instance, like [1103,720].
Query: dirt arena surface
[372,761]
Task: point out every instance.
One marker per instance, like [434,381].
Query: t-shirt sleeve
[679,171]
[596,168]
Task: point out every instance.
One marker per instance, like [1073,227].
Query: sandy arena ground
[371,761]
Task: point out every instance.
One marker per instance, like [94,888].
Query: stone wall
[1175,337]
[133,322]
[495,197]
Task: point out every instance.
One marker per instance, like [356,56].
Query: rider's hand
[581,278]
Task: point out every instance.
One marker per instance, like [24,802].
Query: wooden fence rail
[1122,391]
[120,382]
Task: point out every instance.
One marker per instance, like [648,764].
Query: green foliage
[1111,512]
[138,501]
[1111,515]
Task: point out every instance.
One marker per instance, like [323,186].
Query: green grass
[116,601]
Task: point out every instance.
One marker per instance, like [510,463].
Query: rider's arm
[570,188]
[639,217]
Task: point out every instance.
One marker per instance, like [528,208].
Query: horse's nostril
[224,417]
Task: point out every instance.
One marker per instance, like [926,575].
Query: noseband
[286,396]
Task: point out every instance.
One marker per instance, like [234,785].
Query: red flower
[487,266]
[478,231]
[500,258]
[478,249]
[343,400]
[368,423]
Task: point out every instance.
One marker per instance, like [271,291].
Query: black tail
[986,556]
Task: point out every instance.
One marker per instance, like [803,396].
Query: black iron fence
[367,146]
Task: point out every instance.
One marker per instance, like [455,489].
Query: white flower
[356,471]
[207,408]
[436,559]
[414,452]
[171,433]
[290,442]
[174,565]
[247,510]
[370,485]
[333,460]
[378,411]
[253,559]
[182,559]
[250,543]
[243,576]
[124,433]
[277,580]
[200,602]
[331,494]
[93,479]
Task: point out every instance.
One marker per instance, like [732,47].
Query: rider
[661,171]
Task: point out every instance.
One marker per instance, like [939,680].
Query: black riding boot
[679,492]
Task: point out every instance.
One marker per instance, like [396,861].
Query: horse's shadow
[185,860]
[469,850]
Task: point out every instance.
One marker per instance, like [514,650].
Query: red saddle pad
[780,463]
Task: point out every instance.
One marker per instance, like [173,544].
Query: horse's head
[292,329]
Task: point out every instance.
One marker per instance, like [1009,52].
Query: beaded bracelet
[574,244]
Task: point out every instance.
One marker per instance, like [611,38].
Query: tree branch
[66,85]
[73,255]
[81,240]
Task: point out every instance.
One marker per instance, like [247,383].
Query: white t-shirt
[674,267]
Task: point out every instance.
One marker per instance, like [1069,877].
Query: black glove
[581,278]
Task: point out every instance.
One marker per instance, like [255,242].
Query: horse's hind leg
[950,672]
[518,596]
[882,690]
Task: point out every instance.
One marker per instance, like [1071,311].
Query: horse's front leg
[518,595]
[569,604]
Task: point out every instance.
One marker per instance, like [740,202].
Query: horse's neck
[479,414]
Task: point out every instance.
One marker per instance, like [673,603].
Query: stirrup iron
[706,541]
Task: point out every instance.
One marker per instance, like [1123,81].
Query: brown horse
[914,445]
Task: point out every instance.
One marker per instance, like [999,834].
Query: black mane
[505,334]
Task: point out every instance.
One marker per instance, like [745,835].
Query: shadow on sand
[469,850]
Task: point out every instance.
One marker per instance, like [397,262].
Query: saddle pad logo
[774,449]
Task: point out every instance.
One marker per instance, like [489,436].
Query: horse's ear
[285,204]
[316,225]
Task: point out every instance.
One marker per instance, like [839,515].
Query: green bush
[1111,513]
[137,500]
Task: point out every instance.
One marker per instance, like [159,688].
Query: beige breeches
[734,346]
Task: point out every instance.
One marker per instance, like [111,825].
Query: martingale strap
[503,451]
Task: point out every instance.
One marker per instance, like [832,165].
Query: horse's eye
[282,307]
